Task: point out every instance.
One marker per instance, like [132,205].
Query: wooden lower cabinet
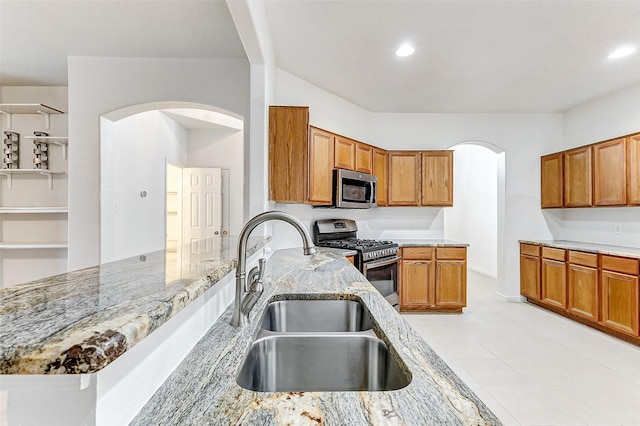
[554,283]
[530,276]
[599,290]
[620,301]
[433,279]
[530,271]
[583,292]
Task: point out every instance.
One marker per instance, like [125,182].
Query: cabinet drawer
[418,253]
[529,249]
[553,253]
[620,264]
[451,253]
[584,259]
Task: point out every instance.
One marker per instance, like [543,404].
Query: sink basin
[316,316]
[320,362]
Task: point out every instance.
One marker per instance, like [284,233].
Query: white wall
[474,215]
[615,115]
[134,154]
[523,137]
[98,86]
[223,149]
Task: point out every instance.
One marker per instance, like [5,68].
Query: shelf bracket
[49,178]
[8,176]
[47,119]
[8,116]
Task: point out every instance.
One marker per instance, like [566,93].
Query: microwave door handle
[372,192]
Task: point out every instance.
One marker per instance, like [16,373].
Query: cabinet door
[551,180]
[404,178]
[578,178]
[451,283]
[620,301]
[288,154]
[380,170]
[345,153]
[610,173]
[633,170]
[554,283]
[416,286]
[530,276]
[583,292]
[437,178]
[364,158]
[320,167]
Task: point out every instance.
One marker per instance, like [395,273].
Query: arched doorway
[478,215]
[138,143]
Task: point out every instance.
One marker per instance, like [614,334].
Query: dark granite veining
[81,321]
[203,389]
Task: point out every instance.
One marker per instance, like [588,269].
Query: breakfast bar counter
[81,321]
[203,388]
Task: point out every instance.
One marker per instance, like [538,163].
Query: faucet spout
[243,303]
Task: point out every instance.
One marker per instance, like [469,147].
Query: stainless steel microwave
[354,190]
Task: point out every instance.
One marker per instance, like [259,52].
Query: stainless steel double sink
[320,345]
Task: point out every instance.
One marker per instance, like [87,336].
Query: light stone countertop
[612,250]
[427,242]
[81,321]
[203,389]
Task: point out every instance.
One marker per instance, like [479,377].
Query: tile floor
[533,367]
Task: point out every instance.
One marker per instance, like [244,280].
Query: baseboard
[517,299]
[484,273]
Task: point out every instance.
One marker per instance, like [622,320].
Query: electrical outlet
[616,229]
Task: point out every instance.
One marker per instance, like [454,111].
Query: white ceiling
[471,56]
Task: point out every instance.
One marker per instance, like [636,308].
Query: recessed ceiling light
[405,50]
[622,51]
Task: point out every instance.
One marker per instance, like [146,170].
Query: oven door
[383,275]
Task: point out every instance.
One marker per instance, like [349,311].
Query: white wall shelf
[61,141]
[22,210]
[5,245]
[8,173]
[9,109]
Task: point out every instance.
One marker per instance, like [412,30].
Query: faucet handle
[262,266]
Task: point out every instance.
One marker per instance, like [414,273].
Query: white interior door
[202,219]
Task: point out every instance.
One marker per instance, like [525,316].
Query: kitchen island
[203,388]
[93,345]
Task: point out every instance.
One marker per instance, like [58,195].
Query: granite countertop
[429,242]
[80,321]
[203,389]
[588,247]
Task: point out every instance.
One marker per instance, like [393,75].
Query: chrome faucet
[245,302]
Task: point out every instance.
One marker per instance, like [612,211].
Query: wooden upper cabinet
[288,153]
[633,170]
[578,177]
[610,173]
[551,181]
[364,158]
[345,153]
[404,178]
[437,178]
[380,171]
[321,145]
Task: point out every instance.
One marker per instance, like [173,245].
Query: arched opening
[478,215]
[145,150]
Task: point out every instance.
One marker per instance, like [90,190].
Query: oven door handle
[377,263]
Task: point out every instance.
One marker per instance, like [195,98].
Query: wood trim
[582,258]
[554,253]
[619,264]
[451,253]
[529,249]
[417,253]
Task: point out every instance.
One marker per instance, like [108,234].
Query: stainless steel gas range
[377,260]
